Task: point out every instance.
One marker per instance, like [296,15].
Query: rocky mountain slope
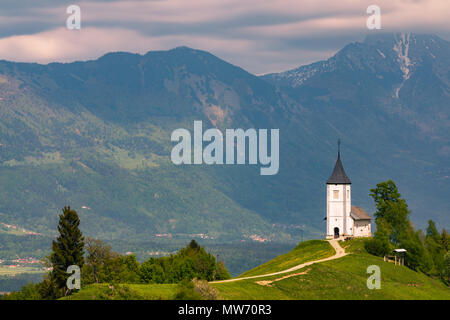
[96,135]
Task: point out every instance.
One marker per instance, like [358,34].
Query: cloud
[259,35]
[64,45]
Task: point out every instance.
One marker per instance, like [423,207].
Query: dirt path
[340,252]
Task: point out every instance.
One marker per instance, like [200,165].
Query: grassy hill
[343,278]
[304,252]
[105,291]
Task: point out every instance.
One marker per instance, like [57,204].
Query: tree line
[427,252]
[99,264]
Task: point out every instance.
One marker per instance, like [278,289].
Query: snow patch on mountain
[298,76]
[401,47]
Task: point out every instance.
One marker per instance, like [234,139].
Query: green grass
[343,278]
[7,271]
[155,291]
[353,246]
[105,291]
[304,252]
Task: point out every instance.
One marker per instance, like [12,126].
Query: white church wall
[362,228]
[338,209]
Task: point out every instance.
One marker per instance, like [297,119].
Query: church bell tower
[339,221]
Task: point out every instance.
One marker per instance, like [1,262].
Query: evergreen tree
[67,249]
[432,232]
[445,240]
[194,245]
[433,243]
[417,256]
[446,276]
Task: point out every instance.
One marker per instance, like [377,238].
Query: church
[343,219]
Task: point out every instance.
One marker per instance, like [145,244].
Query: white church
[343,219]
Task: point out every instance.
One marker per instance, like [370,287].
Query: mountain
[96,135]
[388,96]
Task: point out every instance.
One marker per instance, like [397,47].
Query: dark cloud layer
[259,35]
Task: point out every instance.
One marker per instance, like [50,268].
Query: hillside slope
[343,278]
[303,252]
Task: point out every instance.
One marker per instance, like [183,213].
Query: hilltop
[341,278]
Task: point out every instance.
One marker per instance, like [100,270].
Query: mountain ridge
[96,134]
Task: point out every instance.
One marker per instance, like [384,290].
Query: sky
[260,36]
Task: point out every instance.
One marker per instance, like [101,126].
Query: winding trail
[340,252]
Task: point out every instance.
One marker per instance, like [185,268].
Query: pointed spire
[339,176]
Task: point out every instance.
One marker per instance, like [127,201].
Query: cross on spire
[339,147]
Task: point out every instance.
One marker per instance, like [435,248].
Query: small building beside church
[343,219]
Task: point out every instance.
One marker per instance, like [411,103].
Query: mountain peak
[384,37]
[185,48]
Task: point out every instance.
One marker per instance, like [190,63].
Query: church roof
[358,213]
[338,176]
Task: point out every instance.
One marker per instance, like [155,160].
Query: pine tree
[67,249]
[445,240]
[432,232]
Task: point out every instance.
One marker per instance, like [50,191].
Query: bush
[185,291]
[205,290]
[28,292]
[118,292]
[380,244]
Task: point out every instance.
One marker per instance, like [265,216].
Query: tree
[379,245]
[190,262]
[194,245]
[392,216]
[434,245]
[67,249]
[99,254]
[222,272]
[27,292]
[447,268]
[104,265]
[151,272]
[417,256]
[445,240]
[392,209]
[432,232]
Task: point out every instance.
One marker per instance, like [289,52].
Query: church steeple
[339,176]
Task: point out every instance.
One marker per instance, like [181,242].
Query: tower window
[335,194]
[348,194]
